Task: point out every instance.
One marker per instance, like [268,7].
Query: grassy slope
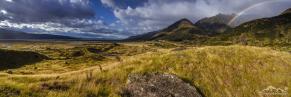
[218,71]
[66,57]
[267,31]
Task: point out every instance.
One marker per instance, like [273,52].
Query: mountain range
[215,24]
[267,30]
[16,35]
[184,29]
[181,30]
[216,28]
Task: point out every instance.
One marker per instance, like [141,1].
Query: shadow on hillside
[14,59]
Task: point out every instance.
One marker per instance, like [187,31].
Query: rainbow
[254,6]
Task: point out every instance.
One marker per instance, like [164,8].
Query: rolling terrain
[215,70]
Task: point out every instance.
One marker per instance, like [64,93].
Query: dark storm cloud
[45,10]
[62,17]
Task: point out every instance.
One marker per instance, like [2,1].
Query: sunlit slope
[218,71]
[233,71]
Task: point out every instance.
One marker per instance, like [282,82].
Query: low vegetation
[47,58]
[218,71]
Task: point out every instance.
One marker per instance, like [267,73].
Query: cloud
[65,17]
[156,14]
[4,12]
[85,28]
[9,0]
[110,3]
[76,17]
[46,10]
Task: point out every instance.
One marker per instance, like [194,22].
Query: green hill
[216,24]
[275,30]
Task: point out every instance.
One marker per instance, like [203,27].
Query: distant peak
[181,23]
[288,11]
[184,21]
[217,19]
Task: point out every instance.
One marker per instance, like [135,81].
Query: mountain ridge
[183,29]
[16,35]
[215,24]
[264,31]
[288,11]
[212,28]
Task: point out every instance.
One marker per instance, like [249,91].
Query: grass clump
[219,71]
[6,91]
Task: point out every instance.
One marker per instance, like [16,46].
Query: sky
[118,19]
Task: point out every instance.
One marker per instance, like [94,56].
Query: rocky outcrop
[158,85]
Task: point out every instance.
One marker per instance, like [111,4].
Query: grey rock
[158,85]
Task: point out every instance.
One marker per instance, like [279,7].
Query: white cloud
[70,17]
[109,3]
[4,12]
[9,0]
[79,27]
[157,14]
[89,31]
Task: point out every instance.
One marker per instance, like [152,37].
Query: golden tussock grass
[218,71]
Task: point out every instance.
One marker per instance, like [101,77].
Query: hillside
[288,11]
[183,29]
[215,24]
[264,31]
[9,34]
[217,71]
[212,30]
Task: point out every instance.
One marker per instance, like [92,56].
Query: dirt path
[105,66]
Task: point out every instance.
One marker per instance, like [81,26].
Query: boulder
[158,85]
